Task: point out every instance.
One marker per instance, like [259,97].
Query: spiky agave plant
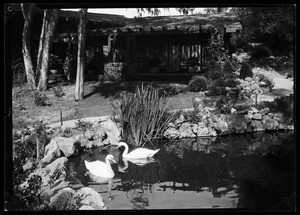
[143,115]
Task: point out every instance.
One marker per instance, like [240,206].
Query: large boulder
[63,199]
[236,123]
[112,131]
[246,71]
[270,123]
[88,197]
[52,152]
[68,146]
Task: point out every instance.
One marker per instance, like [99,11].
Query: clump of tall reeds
[143,115]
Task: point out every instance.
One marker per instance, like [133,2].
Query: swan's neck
[108,163]
[126,150]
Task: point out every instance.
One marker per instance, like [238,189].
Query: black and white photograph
[160,107]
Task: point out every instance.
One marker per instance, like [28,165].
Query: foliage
[69,64]
[143,115]
[270,25]
[58,91]
[268,82]
[218,87]
[18,72]
[224,104]
[28,195]
[285,104]
[198,83]
[40,99]
[215,46]
[156,11]
[214,72]
[246,71]
[55,62]
[56,175]
[228,68]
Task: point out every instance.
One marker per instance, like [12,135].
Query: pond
[251,171]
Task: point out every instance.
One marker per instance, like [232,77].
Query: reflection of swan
[138,162]
[101,169]
[137,153]
[99,184]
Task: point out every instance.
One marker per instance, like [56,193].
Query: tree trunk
[28,16]
[46,39]
[81,55]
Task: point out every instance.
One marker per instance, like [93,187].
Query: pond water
[251,171]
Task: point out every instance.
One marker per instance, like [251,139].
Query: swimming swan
[137,153]
[100,168]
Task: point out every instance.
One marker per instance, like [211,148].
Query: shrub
[40,99]
[228,68]
[55,62]
[246,71]
[218,87]
[143,115]
[197,83]
[224,104]
[18,72]
[285,104]
[58,91]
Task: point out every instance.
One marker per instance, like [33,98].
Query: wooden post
[61,122]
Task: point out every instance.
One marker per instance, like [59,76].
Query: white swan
[100,168]
[137,153]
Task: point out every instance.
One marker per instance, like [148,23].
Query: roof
[117,20]
[181,24]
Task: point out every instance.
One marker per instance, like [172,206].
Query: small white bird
[100,168]
[137,153]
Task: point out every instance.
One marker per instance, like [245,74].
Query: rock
[63,199]
[264,111]
[270,124]
[195,128]
[282,126]
[253,110]
[180,120]
[89,197]
[232,110]
[52,152]
[185,130]
[86,207]
[68,146]
[221,127]
[290,127]
[257,125]
[205,131]
[28,165]
[236,123]
[112,131]
[172,133]
[257,116]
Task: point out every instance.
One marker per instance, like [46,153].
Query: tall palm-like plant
[143,115]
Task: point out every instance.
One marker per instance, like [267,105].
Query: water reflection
[246,171]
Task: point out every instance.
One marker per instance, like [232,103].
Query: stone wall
[211,124]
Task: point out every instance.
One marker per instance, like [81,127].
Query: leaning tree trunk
[28,16]
[81,55]
[46,39]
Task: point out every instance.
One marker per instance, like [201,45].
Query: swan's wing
[96,167]
[142,153]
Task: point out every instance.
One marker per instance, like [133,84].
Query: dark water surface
[251,171]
